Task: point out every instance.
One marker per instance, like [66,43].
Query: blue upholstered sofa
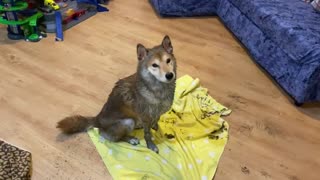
[282,36]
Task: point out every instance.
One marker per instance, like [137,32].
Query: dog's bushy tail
[77,123]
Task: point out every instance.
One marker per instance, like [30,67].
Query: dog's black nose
[169,76]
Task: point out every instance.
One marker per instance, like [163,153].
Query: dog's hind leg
[119,131]
[129,124]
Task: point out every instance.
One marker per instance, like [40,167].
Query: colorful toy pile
[22,22]
[25,18]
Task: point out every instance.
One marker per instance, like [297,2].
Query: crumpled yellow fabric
[191,139]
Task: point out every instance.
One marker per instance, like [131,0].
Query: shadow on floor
[311,109]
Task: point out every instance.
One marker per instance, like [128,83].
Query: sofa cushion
[292,25]
[185,7]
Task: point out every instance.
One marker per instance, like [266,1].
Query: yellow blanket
[191,139]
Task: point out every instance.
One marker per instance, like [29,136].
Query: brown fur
[74,124]
[136,101]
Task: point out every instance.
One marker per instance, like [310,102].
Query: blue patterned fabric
[185,8]
[301,81]
[282,36]
[294,25]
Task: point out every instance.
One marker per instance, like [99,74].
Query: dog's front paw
[153,147]
[134,141]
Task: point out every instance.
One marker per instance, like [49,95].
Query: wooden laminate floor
[40,83]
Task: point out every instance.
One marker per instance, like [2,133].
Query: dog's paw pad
[134,141]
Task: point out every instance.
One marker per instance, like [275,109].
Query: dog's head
[159,61]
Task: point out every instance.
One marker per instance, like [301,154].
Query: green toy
[20,26]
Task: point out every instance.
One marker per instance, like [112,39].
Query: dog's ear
[166,44]
[142,52]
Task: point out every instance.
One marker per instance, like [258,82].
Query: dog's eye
[168,61]
[155,65]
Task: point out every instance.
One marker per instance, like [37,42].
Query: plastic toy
[62,4]
[59,31]
[22,16]
[51,4]
[22,23]
[69,12]
[73,16]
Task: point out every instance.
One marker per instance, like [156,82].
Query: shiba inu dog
[136,101]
